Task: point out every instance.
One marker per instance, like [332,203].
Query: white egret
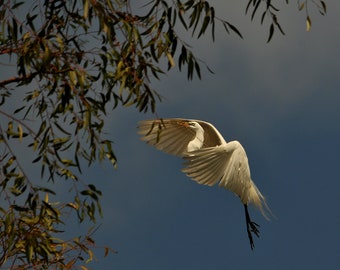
[208,159]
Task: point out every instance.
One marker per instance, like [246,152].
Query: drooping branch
[29,77]
[14,79]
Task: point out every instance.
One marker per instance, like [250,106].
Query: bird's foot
[252,227]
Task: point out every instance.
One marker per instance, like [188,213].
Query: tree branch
[18,79]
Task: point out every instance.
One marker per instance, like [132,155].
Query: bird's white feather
[207,162]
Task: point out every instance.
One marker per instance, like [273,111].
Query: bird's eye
[192,124]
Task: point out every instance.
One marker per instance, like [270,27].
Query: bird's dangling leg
[252,227]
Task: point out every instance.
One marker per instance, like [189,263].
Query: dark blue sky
[282,102]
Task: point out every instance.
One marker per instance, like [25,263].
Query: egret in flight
[209,159]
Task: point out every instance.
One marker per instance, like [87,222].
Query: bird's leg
[252,227]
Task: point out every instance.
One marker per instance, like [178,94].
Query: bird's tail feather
[257,199]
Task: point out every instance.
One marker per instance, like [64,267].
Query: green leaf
[18,4]
[29,252]
[19,109]
[234,29]
[204,25]
[271,32]
[302,5]
[180,12]
[323,7]
[198,70]
[256,6]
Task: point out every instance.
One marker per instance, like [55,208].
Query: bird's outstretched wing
[207,165]
[173,135]
[228,165]
[169,135]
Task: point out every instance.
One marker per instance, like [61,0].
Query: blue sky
[282,102]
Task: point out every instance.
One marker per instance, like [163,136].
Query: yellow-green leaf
[308,24]
[86,9]
[20,132]
[170,59]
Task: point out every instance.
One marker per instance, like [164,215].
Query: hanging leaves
[303,5]
[270,11]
